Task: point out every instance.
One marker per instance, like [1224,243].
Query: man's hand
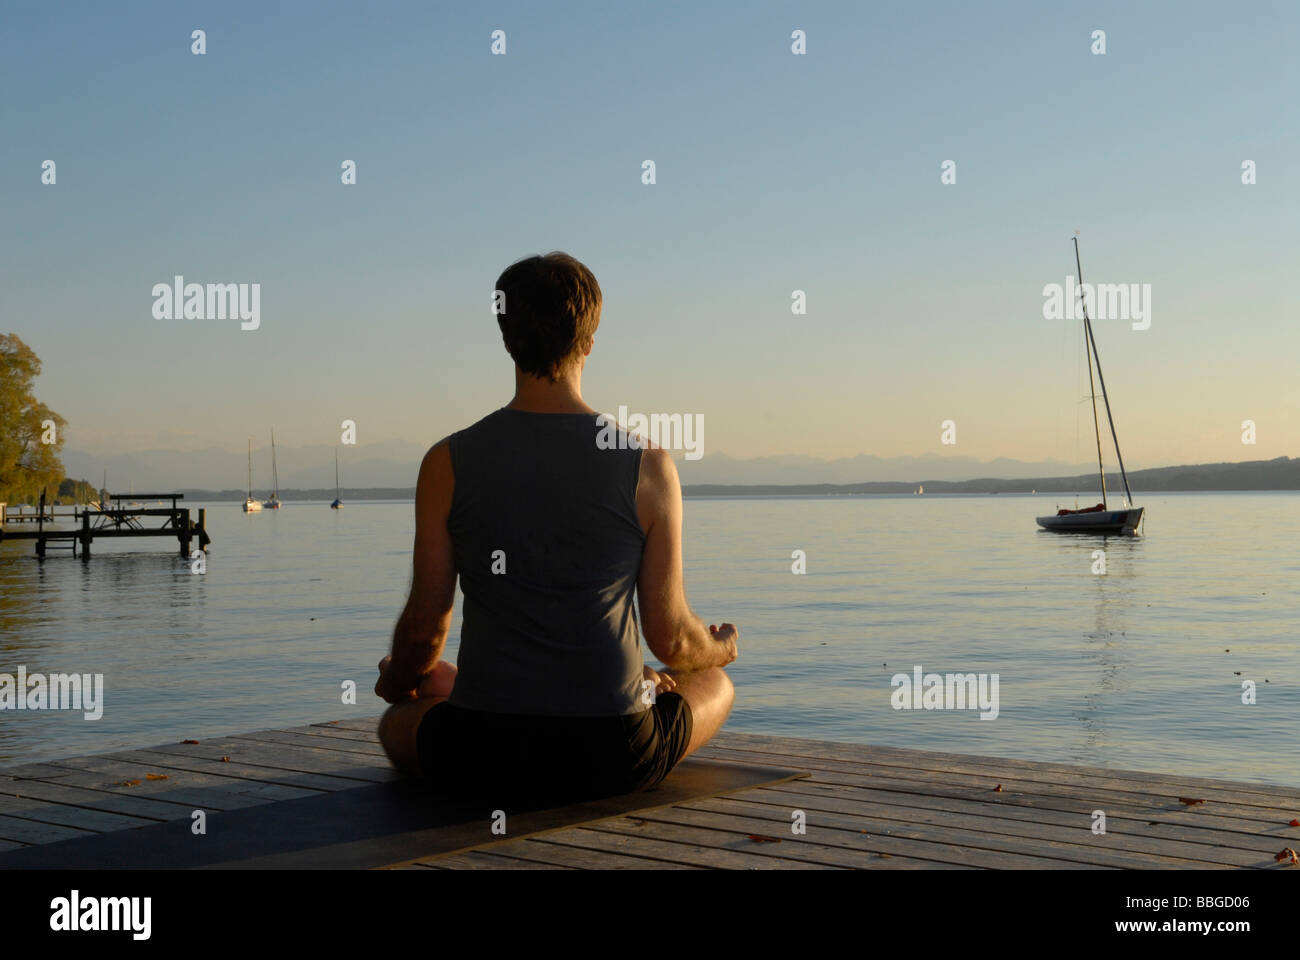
[728,635]
[663,682]
[387,689]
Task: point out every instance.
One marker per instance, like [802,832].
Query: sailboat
[337,504]
[1098,519]
[251,505]
[274,502]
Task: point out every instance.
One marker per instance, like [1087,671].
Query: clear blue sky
[775,172]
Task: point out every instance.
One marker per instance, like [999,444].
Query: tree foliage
[28,463]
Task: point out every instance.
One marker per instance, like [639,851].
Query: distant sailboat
[1098,519]
[337,504]
[274,502]
[920,490]
[251,505]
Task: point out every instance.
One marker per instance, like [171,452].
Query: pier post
[203,529]
[182,521]
[85,535]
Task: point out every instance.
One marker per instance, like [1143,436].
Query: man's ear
[591,342]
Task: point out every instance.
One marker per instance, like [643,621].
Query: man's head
[551,310]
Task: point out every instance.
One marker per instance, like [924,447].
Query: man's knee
[397,737]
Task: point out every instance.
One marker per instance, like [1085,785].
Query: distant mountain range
[387,471]
[1280,474]
[396,464]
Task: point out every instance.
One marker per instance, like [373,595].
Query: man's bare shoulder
[435,468]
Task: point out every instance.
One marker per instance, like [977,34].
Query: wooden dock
[111,520]
[862,807]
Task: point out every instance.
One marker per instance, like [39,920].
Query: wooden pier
[324,796]
[92,522]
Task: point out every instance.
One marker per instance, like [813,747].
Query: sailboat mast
[336,473]
[1092,388]
[1087,325]
[275,473]
[250,468]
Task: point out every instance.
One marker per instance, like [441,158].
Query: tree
[29,448]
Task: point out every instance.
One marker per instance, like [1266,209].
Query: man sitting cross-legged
[550,534]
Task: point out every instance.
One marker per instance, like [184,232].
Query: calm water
[1138,668]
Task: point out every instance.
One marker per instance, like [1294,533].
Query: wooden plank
[1251,804]
[198,790]
[939,761]
[365,748]
[287,758]
[21,831]
[541,850]
[1120,825]
[134,806]
[870,846]
[483,860]
[737,832]
[907,793]
[1059,848]
[336,733]
[1079,833]
[537,854]
[96,821]
[585,838]
[970,785]
[322,783]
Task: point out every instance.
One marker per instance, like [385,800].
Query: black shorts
[515,762]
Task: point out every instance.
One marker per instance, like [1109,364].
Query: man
[550,535]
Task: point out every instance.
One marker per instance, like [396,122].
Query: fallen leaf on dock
[1294,823]
[225,759]
[1287,856]
[1189,801]
[155,776]
[998,788]
[189,741]
[759,838]
[128,783]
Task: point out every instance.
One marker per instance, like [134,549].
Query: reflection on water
[1134,668]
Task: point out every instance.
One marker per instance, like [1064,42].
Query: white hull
[252,506]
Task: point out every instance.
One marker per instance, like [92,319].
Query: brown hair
[551,309]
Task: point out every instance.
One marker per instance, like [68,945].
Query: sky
[775,172]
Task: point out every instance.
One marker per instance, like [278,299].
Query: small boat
[920,490]
[251,505]
[274,502]
[337,504]
[1101,518]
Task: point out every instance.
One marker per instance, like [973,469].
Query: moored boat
[1101,518]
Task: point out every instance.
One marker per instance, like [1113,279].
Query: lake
[1140,667]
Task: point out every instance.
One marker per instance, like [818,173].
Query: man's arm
[674,634]
[421,630]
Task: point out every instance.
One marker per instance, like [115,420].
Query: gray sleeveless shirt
[548,548]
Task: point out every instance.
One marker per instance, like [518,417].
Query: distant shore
[1280,475]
